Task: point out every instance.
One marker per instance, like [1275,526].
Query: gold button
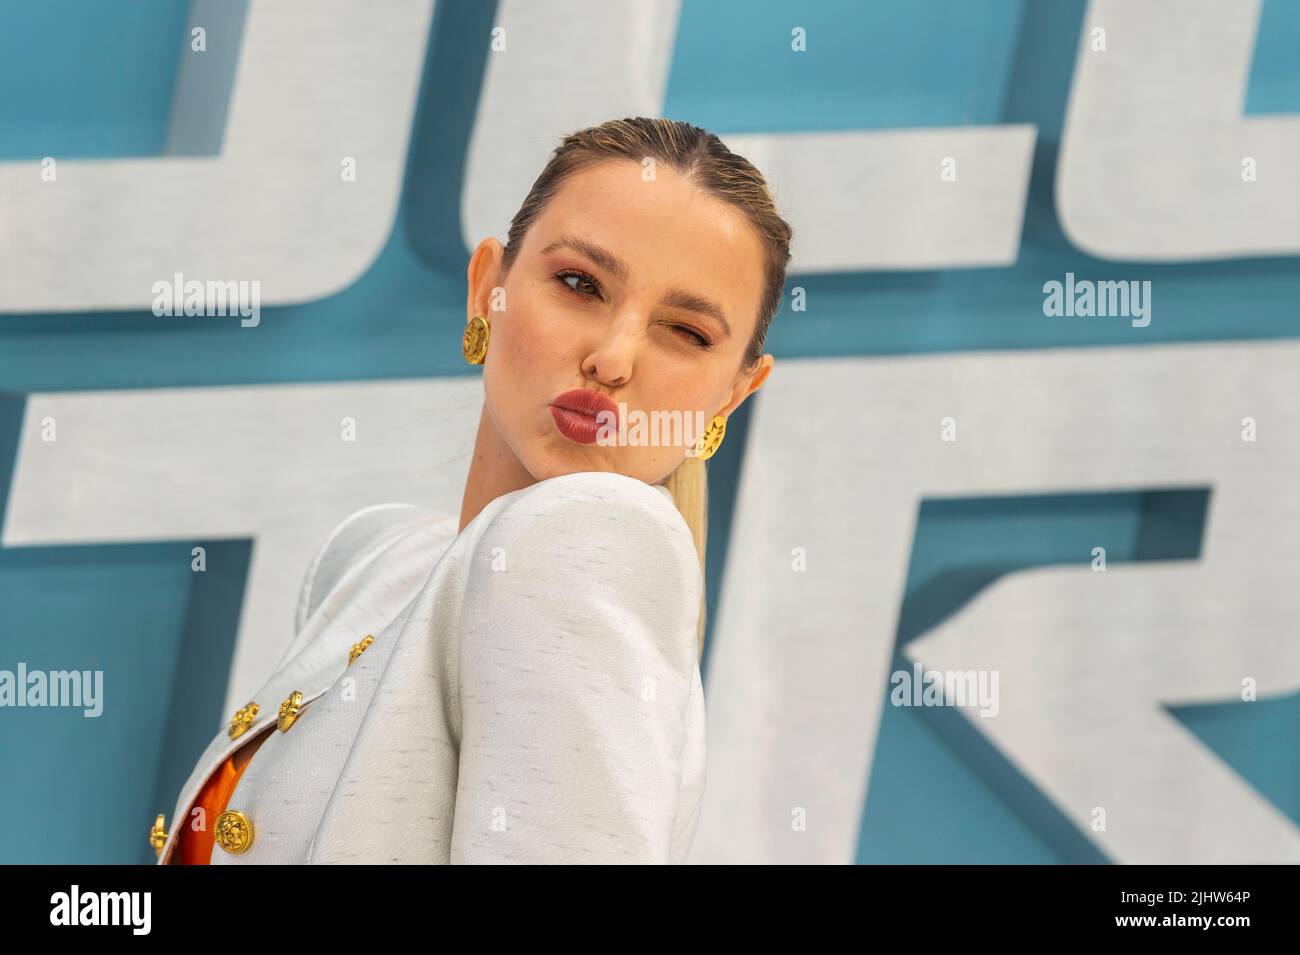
[290,709]
[242,720]
[234,831]
[158,834]
[359,648]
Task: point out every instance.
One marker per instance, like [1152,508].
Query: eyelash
[574,273]
[700,341]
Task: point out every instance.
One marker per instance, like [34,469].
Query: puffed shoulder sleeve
[577,663]
[348,542]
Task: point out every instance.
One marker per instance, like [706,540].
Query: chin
[553,461]
[558,462]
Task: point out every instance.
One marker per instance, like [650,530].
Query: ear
[748,383]
[482,275]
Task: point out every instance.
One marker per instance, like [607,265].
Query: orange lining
[194,846]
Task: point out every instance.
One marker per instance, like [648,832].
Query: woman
[521,683]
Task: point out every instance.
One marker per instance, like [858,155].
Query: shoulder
[597,507]
[594,567]
[591,492]
[594,531]
[355,539]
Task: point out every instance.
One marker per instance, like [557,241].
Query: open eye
[583,279]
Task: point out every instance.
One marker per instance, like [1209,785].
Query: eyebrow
[675,298]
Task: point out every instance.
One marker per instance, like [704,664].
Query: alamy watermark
[635,428]
[71,688]
[946,688]
[179,297]
[1086,298]
[75,907]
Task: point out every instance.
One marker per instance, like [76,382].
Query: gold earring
[711,440]
[475,342]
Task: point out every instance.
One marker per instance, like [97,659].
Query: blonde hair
[701,157]
[689,485]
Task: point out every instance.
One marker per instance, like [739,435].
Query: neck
[493,471]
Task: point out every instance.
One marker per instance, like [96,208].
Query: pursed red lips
[575,413]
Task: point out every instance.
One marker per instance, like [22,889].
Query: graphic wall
[1032,420]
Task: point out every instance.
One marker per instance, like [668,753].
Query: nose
[611,359]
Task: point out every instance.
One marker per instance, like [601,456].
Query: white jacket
[532,694]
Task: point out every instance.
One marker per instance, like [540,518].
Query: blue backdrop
[95,80]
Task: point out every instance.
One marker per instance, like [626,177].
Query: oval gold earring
[711,440]
[475,341]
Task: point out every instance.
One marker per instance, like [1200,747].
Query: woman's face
[644,291]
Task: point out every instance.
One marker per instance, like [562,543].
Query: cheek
[522,359]
[511,342]
[534,330]
[536,337]
[674,385]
